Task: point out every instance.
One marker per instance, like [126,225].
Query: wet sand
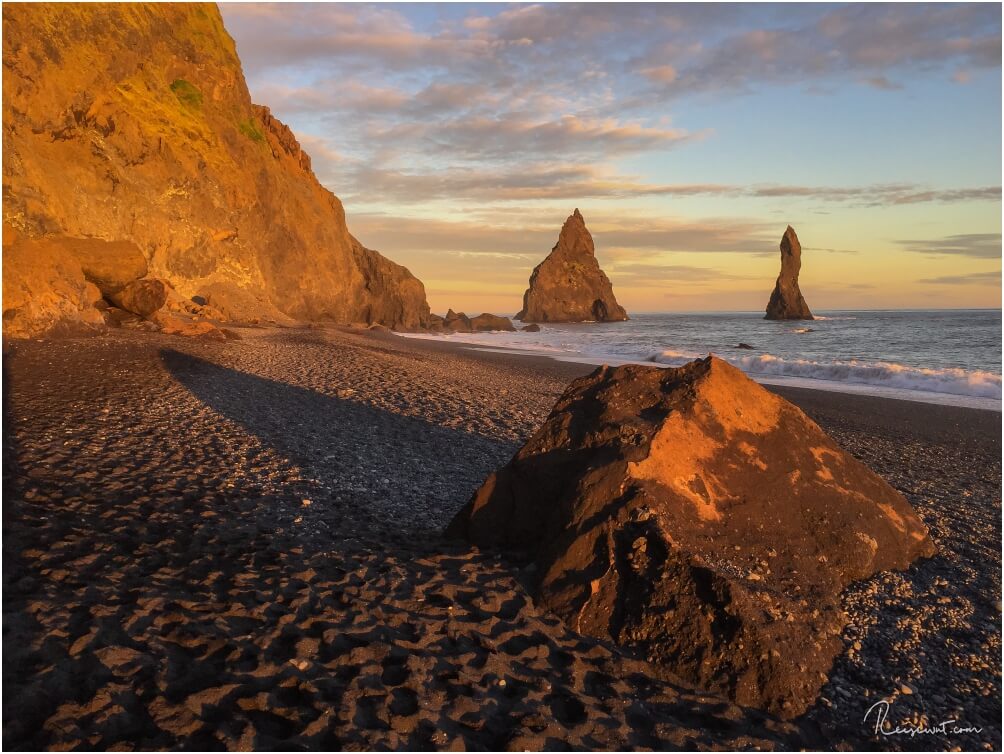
[237,545]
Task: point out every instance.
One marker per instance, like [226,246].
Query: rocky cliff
[569,286]
[133,122]
[786,301]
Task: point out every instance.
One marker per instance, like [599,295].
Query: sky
[460,136]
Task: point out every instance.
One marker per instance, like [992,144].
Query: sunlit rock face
[786,300]
[44,289]
[698,517]
[569,286]
[133,123]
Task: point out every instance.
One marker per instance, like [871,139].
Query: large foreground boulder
[786,300]
[569,286]
[701,519]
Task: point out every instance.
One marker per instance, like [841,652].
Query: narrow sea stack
[132,123]
[697,517]
[569,286]
[786,301]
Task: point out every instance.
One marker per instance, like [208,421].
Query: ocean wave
[977,384]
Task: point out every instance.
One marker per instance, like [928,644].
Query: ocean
[937,356]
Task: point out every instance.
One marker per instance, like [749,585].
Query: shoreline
[239,543]
[577,367]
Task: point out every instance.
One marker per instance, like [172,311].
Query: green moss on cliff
[187,94]
[250,129]
[158,112]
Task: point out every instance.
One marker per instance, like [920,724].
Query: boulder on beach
[142,297]
[491,322]
[569,286]
[531,328]
[700,519]
[786,301]
[110,265]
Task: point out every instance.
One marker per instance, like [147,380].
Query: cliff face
[569,286]
[133,123]
[786,300]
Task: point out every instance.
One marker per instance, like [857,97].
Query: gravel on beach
[238,545]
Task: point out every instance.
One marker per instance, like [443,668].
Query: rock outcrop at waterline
[460,322]
[569,286]
[133,123]
[786,301]
[697,517]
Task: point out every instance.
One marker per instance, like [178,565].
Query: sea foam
[977,384]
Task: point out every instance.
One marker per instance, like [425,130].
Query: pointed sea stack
[569,286]
[786,301]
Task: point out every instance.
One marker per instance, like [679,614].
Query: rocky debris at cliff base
[702,520]
[142,297]
[174,324]
[569,286]
[191,306]
[786,301]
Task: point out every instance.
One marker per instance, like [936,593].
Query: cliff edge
[133,122]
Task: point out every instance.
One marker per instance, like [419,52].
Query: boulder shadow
[382,467]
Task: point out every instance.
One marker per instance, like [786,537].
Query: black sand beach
[237,545]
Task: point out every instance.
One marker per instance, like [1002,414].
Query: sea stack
[701,520]
[569,286]
[786,301]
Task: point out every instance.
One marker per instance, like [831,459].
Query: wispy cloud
[992,277]
[546,180]
[626,241]
[980,245]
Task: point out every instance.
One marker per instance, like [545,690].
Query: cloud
[659,275]
[493,138]
[624,240]
[578,181]
[881,82]
[548,101]
[979,245]
[661,74]
[992,277]
[867,42]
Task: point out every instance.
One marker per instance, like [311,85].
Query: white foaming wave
[975,383]
[516,341]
